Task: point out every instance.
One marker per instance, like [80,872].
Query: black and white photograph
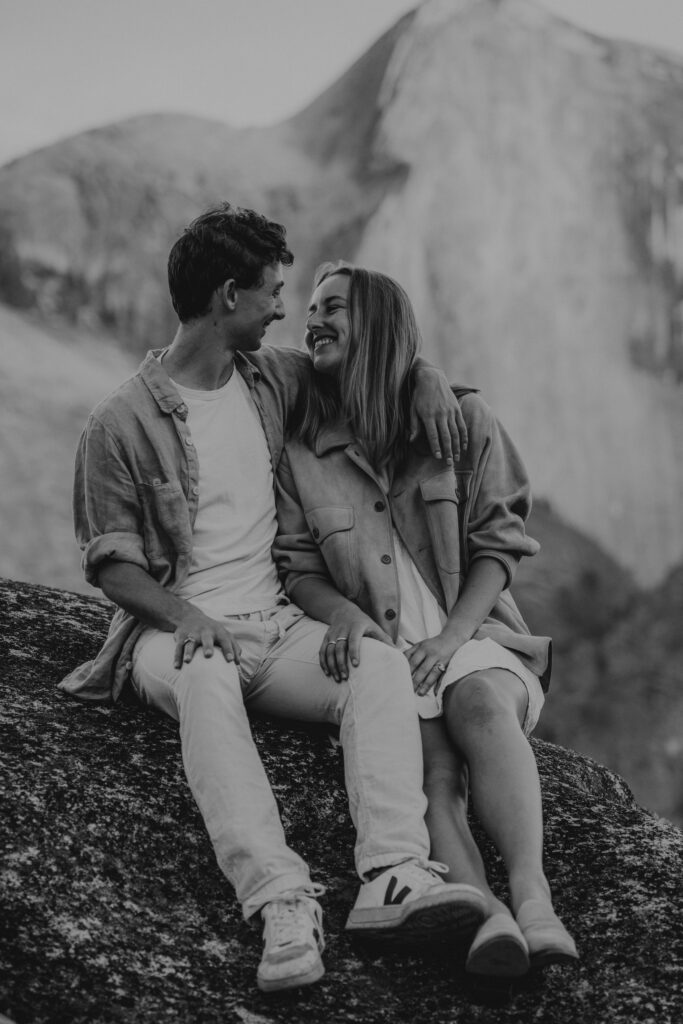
[341,447]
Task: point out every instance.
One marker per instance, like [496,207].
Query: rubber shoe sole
[293,981]
[499,950]
[430,917]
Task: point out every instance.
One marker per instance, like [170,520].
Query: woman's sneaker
[411,903]
[292,941]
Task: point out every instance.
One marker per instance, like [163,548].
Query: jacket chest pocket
[332,529]
[165,517]
[444,497]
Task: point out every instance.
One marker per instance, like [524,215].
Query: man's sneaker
[292,940]
[411,903]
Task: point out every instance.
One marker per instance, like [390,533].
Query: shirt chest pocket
[165,518]
[332,528]
[444,496]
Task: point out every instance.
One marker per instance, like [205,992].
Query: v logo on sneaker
[389,899]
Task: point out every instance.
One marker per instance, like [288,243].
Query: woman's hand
[341,644]
[439,410]
[428,661]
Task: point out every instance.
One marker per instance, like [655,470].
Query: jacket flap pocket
[325,521]
[441,487]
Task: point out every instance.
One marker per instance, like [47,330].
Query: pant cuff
[275,887]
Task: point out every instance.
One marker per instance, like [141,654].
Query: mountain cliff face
[519,176]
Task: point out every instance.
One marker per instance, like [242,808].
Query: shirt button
[189,441]
[390,614]
[316,532]
[379,506]
[195,490]
[181,408]
[386,559]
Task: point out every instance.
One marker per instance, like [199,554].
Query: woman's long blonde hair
[374,389]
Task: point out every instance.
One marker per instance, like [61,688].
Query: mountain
[619,698]
[518,175]
[50,380]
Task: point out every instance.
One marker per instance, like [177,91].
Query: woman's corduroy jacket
[335,523]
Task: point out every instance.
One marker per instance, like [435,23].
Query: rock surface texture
[114,909]
[519,176]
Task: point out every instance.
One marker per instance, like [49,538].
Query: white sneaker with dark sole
[411,903]
[292,941]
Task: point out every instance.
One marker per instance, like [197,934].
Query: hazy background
[523,180]
[74,64]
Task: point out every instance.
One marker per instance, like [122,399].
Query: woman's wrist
[455,634]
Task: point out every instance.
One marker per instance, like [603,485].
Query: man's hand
[134,590]
[196,630]
[341,643]
[439,410]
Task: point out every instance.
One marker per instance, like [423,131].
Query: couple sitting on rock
[365,586]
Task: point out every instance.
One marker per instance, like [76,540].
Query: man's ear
[229,294]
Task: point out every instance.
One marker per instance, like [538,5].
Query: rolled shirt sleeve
[501,502]
[107,514]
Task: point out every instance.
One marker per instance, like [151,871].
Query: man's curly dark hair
[224,242]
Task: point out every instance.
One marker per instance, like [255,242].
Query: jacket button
[316,532]
[390,614]
[386,559]
[379,506]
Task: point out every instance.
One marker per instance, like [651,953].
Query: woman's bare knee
[482,698]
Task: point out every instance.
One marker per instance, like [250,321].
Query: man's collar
[160,385]
[164,392]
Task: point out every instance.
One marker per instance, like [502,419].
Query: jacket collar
[166,395]
[331,436]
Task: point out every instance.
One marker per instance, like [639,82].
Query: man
[175,514]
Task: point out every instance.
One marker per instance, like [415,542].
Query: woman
[377,539]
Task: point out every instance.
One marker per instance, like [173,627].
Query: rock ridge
[115,911]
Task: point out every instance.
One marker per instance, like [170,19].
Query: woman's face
[328,328]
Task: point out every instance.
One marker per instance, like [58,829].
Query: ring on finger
[340,639]
[440,667]
[190,640]
[330,643]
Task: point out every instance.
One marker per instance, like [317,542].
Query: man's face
[257,307]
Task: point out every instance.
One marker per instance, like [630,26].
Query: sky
[70,65]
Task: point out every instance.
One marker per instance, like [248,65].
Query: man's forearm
[134,590]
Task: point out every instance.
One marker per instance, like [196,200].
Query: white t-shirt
[232,569]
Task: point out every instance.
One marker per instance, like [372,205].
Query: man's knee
[210,678]
[382,665]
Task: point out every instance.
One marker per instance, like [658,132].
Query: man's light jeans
[280,675]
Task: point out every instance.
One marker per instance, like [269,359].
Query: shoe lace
[287,925]
[434,867]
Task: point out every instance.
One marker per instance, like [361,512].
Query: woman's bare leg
[445,786]
[483,714]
